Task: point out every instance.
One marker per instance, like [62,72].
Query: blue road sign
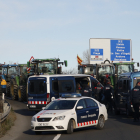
[96,51]
[120,50]
[96,54]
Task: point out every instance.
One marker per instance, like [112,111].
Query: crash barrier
[5,108]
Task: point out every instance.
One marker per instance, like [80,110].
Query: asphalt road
[116,128]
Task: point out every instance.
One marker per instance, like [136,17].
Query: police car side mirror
[79,107]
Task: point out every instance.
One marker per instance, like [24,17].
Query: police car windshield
[61,105]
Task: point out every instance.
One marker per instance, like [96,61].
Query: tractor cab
[87,69]
[105,70]
[10,70]
[46,66]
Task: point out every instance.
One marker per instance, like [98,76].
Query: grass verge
[8,123]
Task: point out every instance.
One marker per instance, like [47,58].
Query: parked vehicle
[125,83]
[70,112]
[42,89]
[110,69]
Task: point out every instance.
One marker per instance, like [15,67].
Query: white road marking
[57,137]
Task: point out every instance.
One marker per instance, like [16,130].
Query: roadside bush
[8,123]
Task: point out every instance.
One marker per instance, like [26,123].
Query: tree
[70,71]
[86,57]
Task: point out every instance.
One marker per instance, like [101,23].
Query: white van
[42,89]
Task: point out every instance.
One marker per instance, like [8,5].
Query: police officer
[86,90]
[98,92]
[108,92]
[135,99]
[78,88]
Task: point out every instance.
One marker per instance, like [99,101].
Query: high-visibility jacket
[3,83]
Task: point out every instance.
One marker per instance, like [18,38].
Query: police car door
[93,110]
[82,114]
[66,85]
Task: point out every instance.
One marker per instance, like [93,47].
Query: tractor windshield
[103,70]
[47,67]
[13,70]
[87,70]
[125,68]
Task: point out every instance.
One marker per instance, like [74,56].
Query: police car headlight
[33,119]
[59,118]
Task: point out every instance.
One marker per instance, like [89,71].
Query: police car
[70,112]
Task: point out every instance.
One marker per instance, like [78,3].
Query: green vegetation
[8,123]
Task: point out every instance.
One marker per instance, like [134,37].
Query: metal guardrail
[5,114]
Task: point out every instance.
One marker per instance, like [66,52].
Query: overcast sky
[62,28]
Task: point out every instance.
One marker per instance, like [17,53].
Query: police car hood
[48,113]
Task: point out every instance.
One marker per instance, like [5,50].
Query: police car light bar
[73,95]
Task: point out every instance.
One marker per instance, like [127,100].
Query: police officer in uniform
[108,92]
[78,88]
[135,99]
[98,92]
[86,90]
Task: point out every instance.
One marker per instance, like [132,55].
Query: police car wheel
[101,122]
[70,127]
[38,132]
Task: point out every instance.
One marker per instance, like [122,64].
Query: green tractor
[47,66]
[38,67]
[107,69]
[11,73]
[99,71]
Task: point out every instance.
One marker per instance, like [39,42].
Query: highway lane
[116,127]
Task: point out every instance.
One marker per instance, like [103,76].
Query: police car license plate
[43,124]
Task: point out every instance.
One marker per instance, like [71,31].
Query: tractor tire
[22,93]
[0,87]
[15,97]
[8,89]
[0,90]
[12,89]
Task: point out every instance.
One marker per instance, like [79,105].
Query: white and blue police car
[70,112]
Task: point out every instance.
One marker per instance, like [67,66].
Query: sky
[62,28]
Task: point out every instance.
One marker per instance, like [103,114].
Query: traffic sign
[96,54]
[120,50]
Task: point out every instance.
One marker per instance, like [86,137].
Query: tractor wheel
[0,89]
[19,94]
[15,92]
[8,89]
[22,93]
[12,90]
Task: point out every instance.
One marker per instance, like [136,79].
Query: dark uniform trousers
[136,101]
[136,109]
[108,94]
